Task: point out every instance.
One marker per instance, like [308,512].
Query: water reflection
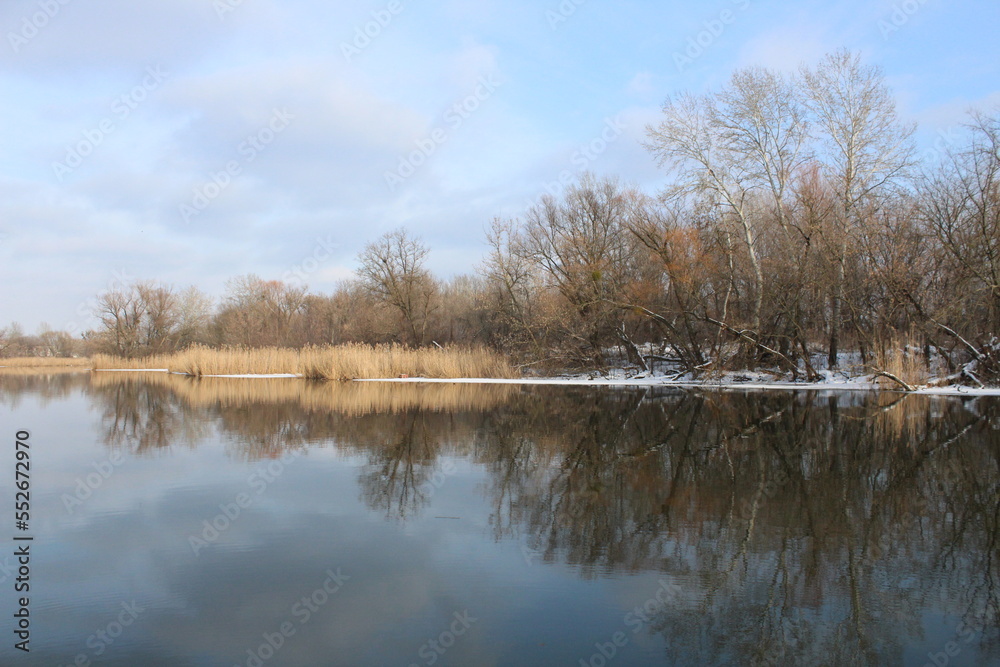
[723,489]
[49,385]
[800,528]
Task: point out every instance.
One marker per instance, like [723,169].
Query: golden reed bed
[351,399]
[341,362]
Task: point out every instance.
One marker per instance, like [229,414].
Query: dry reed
[341,362]
[904,360]
[110,362]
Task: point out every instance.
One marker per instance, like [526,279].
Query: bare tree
[763,124]
[582,247]
[739,152]
[259,312]
[11,340]
[121,312]
[694,279]
[743,143]
[507,271]
[138,319]
[393,271]
[54,343]
[159,319]
[865,150]
[961,207]
[194,314]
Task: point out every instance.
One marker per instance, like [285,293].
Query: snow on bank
[267,375]
[586,381]
[728,382]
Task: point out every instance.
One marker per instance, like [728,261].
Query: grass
[342,362]
[45,362]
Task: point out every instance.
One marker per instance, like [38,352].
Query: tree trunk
[634,356]
[835,310]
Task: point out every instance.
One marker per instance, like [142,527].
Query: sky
[192,141]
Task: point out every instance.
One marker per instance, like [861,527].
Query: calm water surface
[279,522]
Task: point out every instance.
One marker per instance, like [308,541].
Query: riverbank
[727,382]
[458,365]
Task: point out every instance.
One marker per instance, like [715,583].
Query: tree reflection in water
[803,528]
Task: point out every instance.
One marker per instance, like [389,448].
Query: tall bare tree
[160,316]
[961,206]
[194,315]
[736,148]
[960,209]
[866,150]
[393,270]
[121,312]
[583,248]
[260,312]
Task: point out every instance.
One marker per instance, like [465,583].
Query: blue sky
[191,141]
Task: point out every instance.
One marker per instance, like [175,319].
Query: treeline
[47,342]
[798,224]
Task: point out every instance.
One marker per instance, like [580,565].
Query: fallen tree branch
[969,374]
[887,374]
